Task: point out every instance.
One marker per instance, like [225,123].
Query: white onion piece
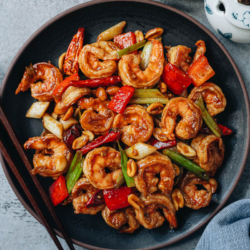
[67,124]
[54,126]
[139,150]
[37,110]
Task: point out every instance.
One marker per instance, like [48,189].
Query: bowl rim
[201,26]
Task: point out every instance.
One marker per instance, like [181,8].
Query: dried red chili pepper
[112,135]
[71,134]
[96,199]
[162,144]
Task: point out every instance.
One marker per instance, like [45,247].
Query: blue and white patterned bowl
[229,18]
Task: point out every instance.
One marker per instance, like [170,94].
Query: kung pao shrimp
[129,127]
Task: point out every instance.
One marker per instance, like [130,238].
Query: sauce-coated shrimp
[42,79]
[201,49]
[98,123]
[70,97]
[189,125]
[70,65]
[81,193]
[119,218]
[179,56]
[193,197]
[97,162]
[149,215]
[89,61]
[210,152]
[212,96]
[147,182]
[135,124]
[132,75]
[45,165]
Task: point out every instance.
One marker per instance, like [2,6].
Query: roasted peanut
[186,150]
[162,87]
[89,134]
[135,202]
[101,94]
[176,169]
[112,90]
[155,108]
[154,33]
[139,36]
[77,114]
[61,61]
[68,114]
[178,199]
[131,168]
[80,142]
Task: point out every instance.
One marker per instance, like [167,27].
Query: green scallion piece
[130,49]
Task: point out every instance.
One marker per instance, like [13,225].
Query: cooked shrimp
[132,75]
[212,96]
[70,65]
[119,218]
[147,182]
[193,197]
[49,166]
[210,152]
[89,59]
[179,56]
[149,215]
[81,193]
[70,97]
[97,162]
[189,125]
[48,76]
[135,124]
[201,50]
[97,118]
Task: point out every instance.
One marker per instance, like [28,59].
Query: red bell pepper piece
[176,80]
[117,198]
[58,191]
[225,130]
[70,65]
[111,136]
[125,40]
[121,99]
[96,199]
[200,71]
[61,87]
[162,144]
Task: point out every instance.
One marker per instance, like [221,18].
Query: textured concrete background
[19,19]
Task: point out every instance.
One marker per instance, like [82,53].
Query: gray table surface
[19,19]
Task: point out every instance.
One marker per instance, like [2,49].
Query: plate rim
[216,40]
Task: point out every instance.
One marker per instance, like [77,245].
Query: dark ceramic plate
[51,40]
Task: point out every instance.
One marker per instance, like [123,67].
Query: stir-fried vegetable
[147,96]
[145,55]
[96,199]
[207,118]
[121,99]
[117,198]
[111,136]
[54,126]
[90,83]
[200,71]
[140,150]
[124,160]
[176,79]
[75,171]
[58,191]
[37,109]
[125,40]
[68,123]
[162,144]
[189,165]
[130,49]
[110,33]
[60,88]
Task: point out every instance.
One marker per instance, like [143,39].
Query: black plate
[50,41]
